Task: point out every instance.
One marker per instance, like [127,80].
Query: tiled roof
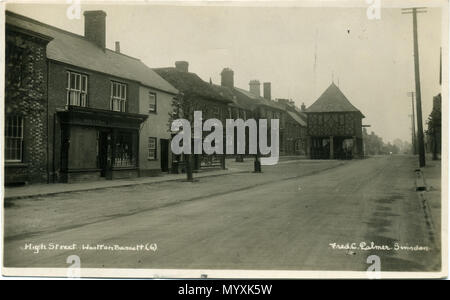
[76,50]
[297,118]
[260,100]
[239,99]
[191,84]
[332,100]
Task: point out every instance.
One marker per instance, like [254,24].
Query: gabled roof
[191,84]
[332,100]
[76,50]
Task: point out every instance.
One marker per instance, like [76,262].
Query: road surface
[301,215]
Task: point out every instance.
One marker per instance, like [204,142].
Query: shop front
[99,144]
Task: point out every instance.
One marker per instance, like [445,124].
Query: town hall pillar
[355,148]
[331,148]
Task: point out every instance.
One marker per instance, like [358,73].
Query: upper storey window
[77,85]
[118,96]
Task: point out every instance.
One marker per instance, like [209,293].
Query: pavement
[39,190]
[432,197]
[297,215]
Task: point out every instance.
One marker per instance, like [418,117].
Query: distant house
[267,109]
[201,96]
[295,129]
[93,103]
[334,127]
[250,104]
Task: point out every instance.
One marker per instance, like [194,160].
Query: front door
[104,154]
[164,155]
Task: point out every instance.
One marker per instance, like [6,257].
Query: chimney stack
[267,91]
[95,27]
[303,107]
[117,46]
[286,102]
[182,66]
[255,87]
[227,78]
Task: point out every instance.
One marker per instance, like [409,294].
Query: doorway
[164,144]
[104,152]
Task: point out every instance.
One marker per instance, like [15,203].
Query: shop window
[118,96]
[76,89]
[124,156]
[13,139]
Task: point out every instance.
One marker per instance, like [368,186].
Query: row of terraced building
[76,110]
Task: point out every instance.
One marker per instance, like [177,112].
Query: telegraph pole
[414,11]
[413,136]
[413,117]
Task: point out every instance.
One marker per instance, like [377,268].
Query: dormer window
[76,89]
[118,96]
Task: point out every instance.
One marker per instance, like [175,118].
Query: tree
[183,107]
[434,123]
[374,145]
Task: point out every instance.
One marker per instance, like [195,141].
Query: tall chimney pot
[267,90]
[95,27]
[227,78]
[117,46]
[303,107]
[255,87]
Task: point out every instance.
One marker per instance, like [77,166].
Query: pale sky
[297,49]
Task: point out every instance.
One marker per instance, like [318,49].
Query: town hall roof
[332,100]
[73,49]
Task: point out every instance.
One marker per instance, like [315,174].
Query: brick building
[250,104]
[25,144]
[266,108]
[93,112]
[200,96]
[334,127]
[295,129]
